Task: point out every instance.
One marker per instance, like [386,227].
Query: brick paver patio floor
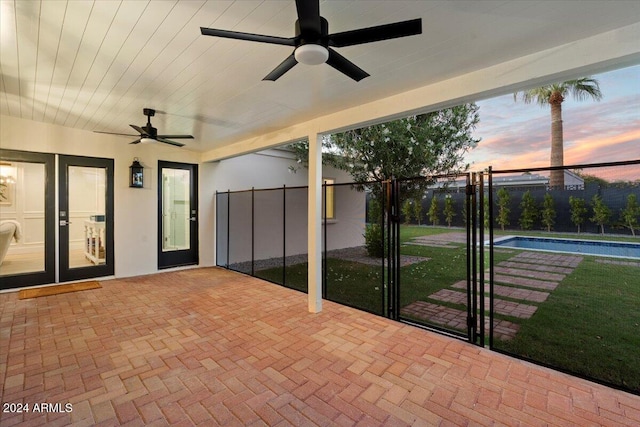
[212,347]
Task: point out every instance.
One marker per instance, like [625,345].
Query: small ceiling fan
[313,43]
[150,134]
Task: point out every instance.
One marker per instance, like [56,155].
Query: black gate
[435,240]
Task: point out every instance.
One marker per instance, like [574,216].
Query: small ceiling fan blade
[168,141]
[137,141]
[377,33]
[139,130]
[247,36]
[114,133]
[176,136]
[309,16]
[345,66]
[284,66]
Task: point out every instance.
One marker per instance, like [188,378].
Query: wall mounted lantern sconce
[136,175]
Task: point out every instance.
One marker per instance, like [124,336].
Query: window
[329,205]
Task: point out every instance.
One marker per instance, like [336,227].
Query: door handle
[64,223]
[193,218]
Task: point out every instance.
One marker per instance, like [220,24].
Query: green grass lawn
[589,324]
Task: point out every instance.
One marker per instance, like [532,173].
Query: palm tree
[554,95]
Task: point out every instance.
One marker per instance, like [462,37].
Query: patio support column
[314,223]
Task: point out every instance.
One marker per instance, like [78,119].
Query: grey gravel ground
[355,254]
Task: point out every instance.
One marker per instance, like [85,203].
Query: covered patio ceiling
[94,65]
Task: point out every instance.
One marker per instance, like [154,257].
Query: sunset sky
[518,135]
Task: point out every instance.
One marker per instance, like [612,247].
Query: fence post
[324,255]
[490,180]
[284,235]
[384,289]
[253,231]
[469,225]
[480,272]
[474,261]
[228,224]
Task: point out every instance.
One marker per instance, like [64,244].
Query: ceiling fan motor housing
[310,37]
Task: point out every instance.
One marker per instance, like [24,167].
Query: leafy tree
[373,232]
[592,179]
[449,211]
[504,200]
[433,210]
[601,212]
[548,212]
[631,213]
[417,210]
[529,211]
[374,211]
[407,210]
[578,208]
[420,145]
[554,95]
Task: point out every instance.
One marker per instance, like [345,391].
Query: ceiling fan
[313,43]
[150,134]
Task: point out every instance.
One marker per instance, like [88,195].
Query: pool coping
[598,242]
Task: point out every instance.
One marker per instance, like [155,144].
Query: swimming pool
[584,247]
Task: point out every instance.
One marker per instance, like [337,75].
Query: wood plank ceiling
[94,65]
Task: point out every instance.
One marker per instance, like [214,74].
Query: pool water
[585,247]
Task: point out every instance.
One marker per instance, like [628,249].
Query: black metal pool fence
[421,251]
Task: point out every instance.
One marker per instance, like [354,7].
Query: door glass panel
[86,216]
[175,209]
[22,217]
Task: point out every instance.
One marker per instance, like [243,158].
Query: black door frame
[49,273]
[65,273]
[188,256]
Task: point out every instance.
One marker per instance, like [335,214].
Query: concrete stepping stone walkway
[432,244]
[511,292]
[523,281]
[549,259]
[453,318]
[445,240]
[543,275]
[525,278]
[507,308]
[536,267]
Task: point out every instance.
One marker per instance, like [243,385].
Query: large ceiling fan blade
[248,36]
[345,66]
[309,16]
[176,136]
[284,66]
[137,141]
[378,33]
[114,133]
[168,141]
[139,130]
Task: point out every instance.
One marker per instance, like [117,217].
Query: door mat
[58,289]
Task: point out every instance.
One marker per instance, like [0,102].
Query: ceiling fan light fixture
[147,140]
[311,54]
